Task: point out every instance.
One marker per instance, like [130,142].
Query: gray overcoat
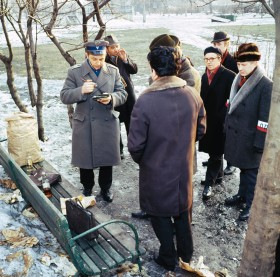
[166,120]
[95,127]
[247,120]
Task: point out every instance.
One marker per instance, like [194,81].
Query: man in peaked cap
[247,123]
[96,88]
[215,89]
[118,57]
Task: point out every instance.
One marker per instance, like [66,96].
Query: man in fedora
[247,123]
[221,40]
[118,57]
[96,88]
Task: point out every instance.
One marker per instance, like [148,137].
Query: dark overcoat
[247,120]
[166,120]
[95,127]
[125,70]
[215,97]
[230,63]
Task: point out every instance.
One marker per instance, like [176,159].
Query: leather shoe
[229,170]
[219,181]
[140,215]
[244,215]
[87,192]
[107,195]
[165,266]
[122,156]
[207,192]
[235,200]
[205,163]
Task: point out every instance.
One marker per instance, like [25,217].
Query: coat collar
[165,82]
[237,96]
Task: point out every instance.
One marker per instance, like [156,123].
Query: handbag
[37,175]
[80,219]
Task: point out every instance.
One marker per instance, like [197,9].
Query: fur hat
[162,40]
[212,49]
[247,52]
[97,47]
[111,39]
[220,36]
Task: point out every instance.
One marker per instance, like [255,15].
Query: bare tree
[258,257]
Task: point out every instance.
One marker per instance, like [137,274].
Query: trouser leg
[184,240]
[121,142]
[214,168]
[248,180]
[105,177]
[87,178]
[163,229]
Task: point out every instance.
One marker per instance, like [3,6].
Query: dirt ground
[218,235]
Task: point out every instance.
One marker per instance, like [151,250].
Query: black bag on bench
[80,219]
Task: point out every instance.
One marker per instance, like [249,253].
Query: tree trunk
[258,258]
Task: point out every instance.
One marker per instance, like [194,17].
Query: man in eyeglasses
[215,89]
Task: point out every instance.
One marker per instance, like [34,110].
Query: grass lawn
[136,42]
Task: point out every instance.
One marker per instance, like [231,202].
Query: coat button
[91,107]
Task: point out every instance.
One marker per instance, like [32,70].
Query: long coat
[247,120]
[125,70]
[215,97]
[166,120]
[95,127]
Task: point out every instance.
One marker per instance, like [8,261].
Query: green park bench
[115,243]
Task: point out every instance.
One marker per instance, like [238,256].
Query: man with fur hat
[96,88]
[118,57]
[247,123]
[221,40]
[215,89]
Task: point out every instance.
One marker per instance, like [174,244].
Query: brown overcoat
[96,133]
[166,120]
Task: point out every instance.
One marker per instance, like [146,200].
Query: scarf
[237,95]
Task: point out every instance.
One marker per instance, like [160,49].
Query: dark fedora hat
[247,52]
[111,39]
[220,36]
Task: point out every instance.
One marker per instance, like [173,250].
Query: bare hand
[88,86]
[122,54]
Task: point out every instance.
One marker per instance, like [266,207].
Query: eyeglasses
[210,59]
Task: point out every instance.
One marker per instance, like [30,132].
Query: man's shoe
[219,181]
[165,266]
[107,195]
[207,192]
[229,170]
[244,215]
[140,215]
[235,200]
[87,192]
[122,156]
[205,163]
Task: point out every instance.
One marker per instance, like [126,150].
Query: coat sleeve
[138,131]
[263,115]
[130,66]
[201,123]
[71,93]
[119,95]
